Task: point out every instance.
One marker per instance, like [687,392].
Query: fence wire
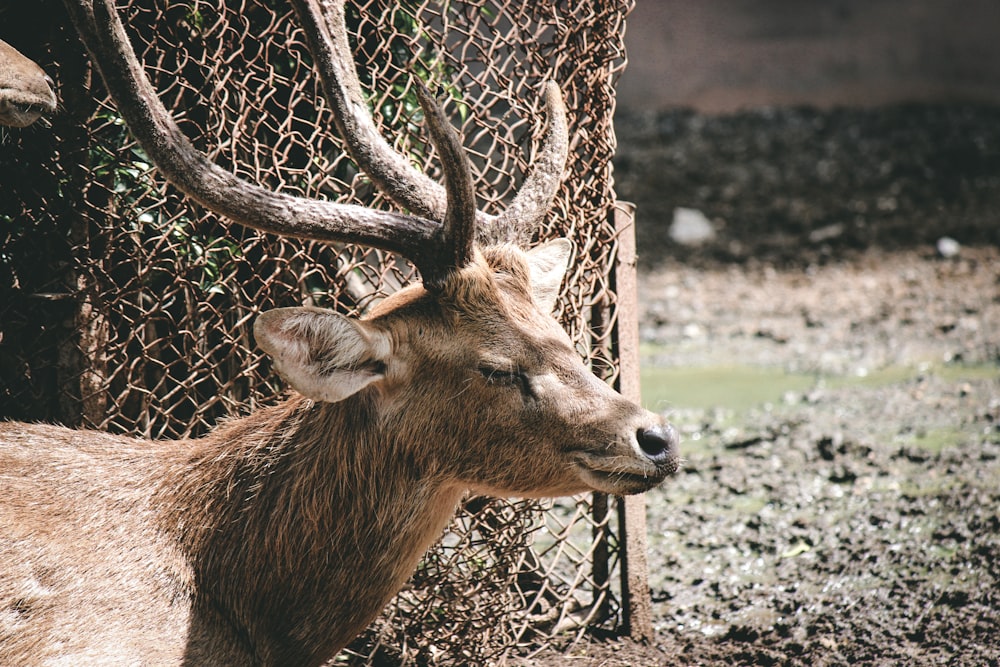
[125,307]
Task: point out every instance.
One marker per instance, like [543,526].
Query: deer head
[26,92]
[481,319]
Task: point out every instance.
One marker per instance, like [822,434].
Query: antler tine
[326,32]
[325,28]
[459,225]
[534,199]
[413,237]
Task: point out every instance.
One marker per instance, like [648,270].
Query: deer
[276,538]
[26,91]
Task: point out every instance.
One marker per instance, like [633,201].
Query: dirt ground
[853,518]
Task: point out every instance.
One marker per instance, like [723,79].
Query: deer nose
[659,443]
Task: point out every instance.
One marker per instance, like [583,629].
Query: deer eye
[504,377]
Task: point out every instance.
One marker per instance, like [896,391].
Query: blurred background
[793,131]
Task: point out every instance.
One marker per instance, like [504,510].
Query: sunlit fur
[279,536]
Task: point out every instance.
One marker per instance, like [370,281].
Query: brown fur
[280,535]
[26,93]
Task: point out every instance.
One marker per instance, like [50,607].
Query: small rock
[913,454]
[948,247]
[843,474]
[692,331]
[826,233]
[690,227]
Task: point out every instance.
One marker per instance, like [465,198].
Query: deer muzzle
[633,467]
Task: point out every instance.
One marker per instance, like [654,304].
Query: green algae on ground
[736,388]
[740,388]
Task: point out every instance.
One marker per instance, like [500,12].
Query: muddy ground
[840,501]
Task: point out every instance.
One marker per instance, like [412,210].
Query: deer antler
[436,246]
[459,223]
[324,24]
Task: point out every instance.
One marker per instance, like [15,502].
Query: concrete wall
[721,55]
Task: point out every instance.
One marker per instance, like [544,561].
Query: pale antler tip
[553,93]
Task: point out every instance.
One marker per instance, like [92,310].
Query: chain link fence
[125,307]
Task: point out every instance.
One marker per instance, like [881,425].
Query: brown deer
[280,535]
[26,92]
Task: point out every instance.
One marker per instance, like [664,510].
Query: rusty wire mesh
[125,307]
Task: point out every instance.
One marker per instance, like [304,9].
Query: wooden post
[637,612]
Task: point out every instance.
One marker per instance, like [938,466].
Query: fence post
[637,615]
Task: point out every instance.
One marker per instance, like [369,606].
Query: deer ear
[548,263]
[323,355]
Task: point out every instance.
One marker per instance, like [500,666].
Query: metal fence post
[636,603]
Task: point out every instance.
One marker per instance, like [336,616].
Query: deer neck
[304,519]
